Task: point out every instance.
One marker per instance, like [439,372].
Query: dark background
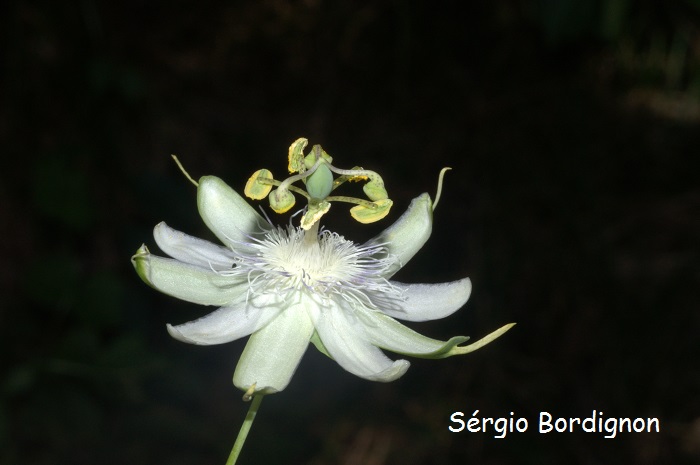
[574,206]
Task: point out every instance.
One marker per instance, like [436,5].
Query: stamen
[330,268]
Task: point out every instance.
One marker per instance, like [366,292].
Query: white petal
[387,333]
[406,236]
[227,323]
[427,301]
[226,213]
[273,353]
[343,335]
[191,249]
[188,282]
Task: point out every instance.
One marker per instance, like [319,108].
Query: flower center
[284,261]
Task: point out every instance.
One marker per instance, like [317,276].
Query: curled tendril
[439,188]
[182,169]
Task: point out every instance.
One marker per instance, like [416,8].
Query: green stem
[245,428]
[311,236]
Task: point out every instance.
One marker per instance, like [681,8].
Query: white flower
[286,287]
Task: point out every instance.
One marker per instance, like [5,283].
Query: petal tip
[176,334]
[466,289]
[392,373]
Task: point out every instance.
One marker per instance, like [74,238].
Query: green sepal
[406,236]
[273,352]
[140,262]
[447,350]
[187,282]
[316,341]
[396,337]
[461,350]
[228,215]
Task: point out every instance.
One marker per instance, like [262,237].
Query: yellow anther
[317,172]
[255,189]
[366,215]
[281,200]
[374,189]
[314,213]
[296,155]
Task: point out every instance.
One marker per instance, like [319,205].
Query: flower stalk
[245,429]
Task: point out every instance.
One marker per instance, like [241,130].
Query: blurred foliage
[571,126]
[653,47]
